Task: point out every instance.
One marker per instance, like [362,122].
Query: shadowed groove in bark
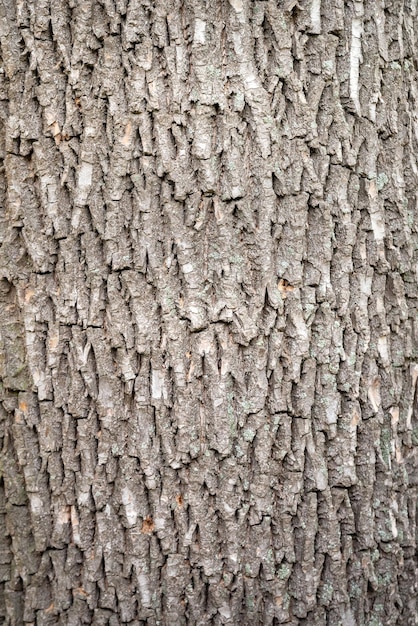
[208,331]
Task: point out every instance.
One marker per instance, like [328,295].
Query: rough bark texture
[208,312]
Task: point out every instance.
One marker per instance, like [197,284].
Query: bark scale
[209,354]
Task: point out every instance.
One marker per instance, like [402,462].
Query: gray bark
[209,283]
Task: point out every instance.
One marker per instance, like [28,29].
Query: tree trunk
[208,312]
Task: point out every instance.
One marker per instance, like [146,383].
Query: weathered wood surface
[209,286]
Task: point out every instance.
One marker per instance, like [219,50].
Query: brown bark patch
[23,406]
[148,525]
[284,287]
[126,140]
[28,294]
[355,419]
[53,342]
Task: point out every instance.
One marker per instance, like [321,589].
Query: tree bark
[209,336]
